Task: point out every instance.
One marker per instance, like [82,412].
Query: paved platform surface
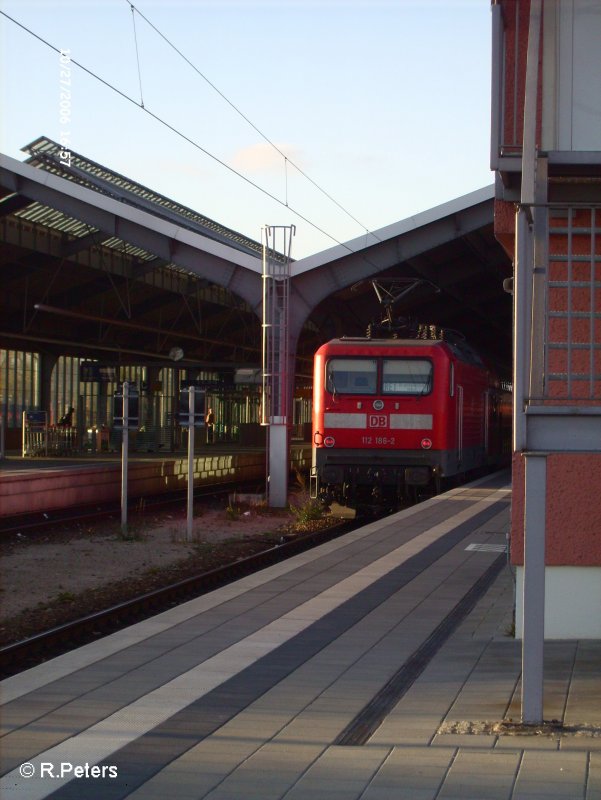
[329,676]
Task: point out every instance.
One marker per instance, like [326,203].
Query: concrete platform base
[31,487]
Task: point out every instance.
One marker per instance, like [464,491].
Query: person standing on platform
[66,421]
[210,425]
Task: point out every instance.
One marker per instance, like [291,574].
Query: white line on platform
[487,548]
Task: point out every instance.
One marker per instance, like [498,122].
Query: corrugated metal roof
[58,221]
[45,154]
[51,218]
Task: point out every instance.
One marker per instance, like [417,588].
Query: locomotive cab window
[351,375]
[406,376]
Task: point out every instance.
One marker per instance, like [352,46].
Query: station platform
[370,667]
[30,485]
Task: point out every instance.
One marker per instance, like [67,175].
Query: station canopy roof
[73,288]
[89,284]
[442,267]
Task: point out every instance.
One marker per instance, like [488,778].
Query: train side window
[406,376]
[351,375]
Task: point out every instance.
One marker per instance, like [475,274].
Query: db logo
[378,421]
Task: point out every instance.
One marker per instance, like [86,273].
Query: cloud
[263,157]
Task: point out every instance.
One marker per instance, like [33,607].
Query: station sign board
[183,416]
[133,406]
[95,372]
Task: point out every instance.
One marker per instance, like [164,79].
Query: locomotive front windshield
[360,376]
[352,375]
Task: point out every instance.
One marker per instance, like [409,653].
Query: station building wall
[570,326]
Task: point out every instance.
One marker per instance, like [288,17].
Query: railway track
[29,652]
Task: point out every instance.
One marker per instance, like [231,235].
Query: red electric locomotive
[396,418]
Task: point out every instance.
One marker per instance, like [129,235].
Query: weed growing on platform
[308,512]
[510,629]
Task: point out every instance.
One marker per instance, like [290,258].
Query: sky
[383,104]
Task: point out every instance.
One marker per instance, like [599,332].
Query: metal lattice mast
[277,242]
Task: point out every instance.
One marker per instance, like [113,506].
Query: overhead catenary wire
[179,133]
[194,144]
[264,136]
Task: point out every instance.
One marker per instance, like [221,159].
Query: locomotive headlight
[426,443]
[329,441]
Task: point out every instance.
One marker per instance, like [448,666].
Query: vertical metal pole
[190,512]
[522,305]
[533,604]
[498,100]
[1,436]
[530,378]
[124,457]
[278,372]
[529,143]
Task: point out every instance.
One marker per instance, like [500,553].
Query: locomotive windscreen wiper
[427,386]
[332,383]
